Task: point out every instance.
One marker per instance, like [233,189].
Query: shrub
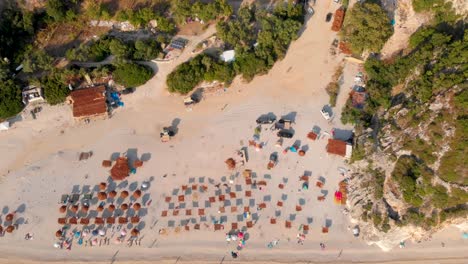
[367,27]
[131,74]
[10,98]
[55,89]
[146,49]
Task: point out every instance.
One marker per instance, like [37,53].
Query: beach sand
[40,162]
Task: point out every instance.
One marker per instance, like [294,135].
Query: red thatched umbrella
[120,170]
[124,206]
[9,217]
[106,163]
[137,163]
[124,194]
[62,220]
[112,194]
[98,221]
[135,232]
[59,233]
[84,208]
[134,220]
[111,208]
[73,221]
[63,209]
[102,186]
[123,220]
[137,194]
[84,221]
[301,153]
[10,229]
[137,206]
[110,220]
[100,208]
[74,208]
[231,163]
[102,196]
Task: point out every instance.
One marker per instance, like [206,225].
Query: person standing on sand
[234,254]
[322,246]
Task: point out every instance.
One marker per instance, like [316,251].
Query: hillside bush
[131,74]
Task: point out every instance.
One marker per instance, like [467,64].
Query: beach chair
[74,198]
[305,227]
[64,199]
[218,227]
[187,228]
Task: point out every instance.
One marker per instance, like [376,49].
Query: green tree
[10,98]
[146,49]
[56,9]
[367,27]
[181,9]
[36,59]
[131,74]
[119,48]
[165,25]
[55,88]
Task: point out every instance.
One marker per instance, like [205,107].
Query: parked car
[325,113]
[328,17]
[285,133]
[265,119]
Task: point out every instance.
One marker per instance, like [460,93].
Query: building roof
[337,147]
[228,55]
[89,101]
[120,170]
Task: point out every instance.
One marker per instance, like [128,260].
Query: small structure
[32,94]
[120,170]
[339,147]
[89,102]
[338,19]
[228,56]
[4,126]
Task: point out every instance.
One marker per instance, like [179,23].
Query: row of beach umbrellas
[100,208]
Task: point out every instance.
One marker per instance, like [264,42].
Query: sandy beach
[39,162]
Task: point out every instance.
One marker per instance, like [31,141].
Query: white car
[325,114]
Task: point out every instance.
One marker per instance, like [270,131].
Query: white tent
[4,125]
[228,56]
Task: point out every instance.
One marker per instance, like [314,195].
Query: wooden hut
[120,170]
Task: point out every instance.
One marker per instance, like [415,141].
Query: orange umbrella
[100,208]
[137,206]
[58,233]
[102,196]
[231,163]
[135,219]
[10,229]
[135,232]
[63,209]
[301,153]
[84,208]
[137,194]
[84,221]
[112,194]
[124,206]
[9,217]
[74,208]
[124,194]
[110,220]
[73,221]
[102,186]
[111,208]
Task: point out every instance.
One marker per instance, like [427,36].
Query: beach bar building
[339,147]
[89,102]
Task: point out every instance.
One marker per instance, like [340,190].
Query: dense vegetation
[402,92]
[259,39]
[367,27]
[55,90]
[131,74]
[143,49]
[184,9]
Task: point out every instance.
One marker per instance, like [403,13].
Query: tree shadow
[175,125]
[290,116]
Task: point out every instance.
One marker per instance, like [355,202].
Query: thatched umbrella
[301,153]
[124,194]
[110,220]
[124,206]
[134,219]
[111,208]
[10,229]
[98,221]
[231,163]
[137,206]
[9,217]
[84,221]
[120,170]
[62,221]
[63,209]
[135,232]
[112,194]
[74,208]
[100,208]
[84,208]
[137,194]
[123,220]
[102,186]
[59,233]
[73,221]
[102,196]
[137,163]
